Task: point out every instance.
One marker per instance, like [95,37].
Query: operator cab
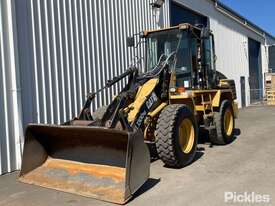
[194,67]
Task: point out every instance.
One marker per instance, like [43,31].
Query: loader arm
[141,94]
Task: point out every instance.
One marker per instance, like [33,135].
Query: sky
[259,12]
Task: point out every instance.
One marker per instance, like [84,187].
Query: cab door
[209,59]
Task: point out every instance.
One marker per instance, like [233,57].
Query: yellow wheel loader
[104,155]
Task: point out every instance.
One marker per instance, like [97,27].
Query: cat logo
[146,108]
[152,99]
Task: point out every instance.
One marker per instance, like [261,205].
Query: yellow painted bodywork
[216,99]
[216,96]
[181,96]
[144,91]
[158,109]
[192,98]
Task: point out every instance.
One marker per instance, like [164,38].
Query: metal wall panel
[4,131]
[74,47]
[10,110]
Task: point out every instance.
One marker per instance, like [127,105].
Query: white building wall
[232,55]
[231,39]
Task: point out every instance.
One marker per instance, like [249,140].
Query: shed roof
[241,18]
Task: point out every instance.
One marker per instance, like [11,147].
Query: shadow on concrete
[204,136]
[237,132]
[149,184]
[198,154]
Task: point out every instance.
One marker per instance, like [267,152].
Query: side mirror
[130,41]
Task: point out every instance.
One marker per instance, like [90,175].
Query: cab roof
[180,26]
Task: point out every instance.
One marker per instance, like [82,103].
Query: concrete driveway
[246,165]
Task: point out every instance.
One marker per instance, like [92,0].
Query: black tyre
[98,114]
[225,124]
[176,136]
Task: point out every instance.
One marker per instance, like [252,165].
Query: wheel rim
[186,135]
[228,122]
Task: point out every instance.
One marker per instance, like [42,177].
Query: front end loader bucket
[95,162]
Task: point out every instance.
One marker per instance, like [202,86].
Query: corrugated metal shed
[66,48]
[74,47]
